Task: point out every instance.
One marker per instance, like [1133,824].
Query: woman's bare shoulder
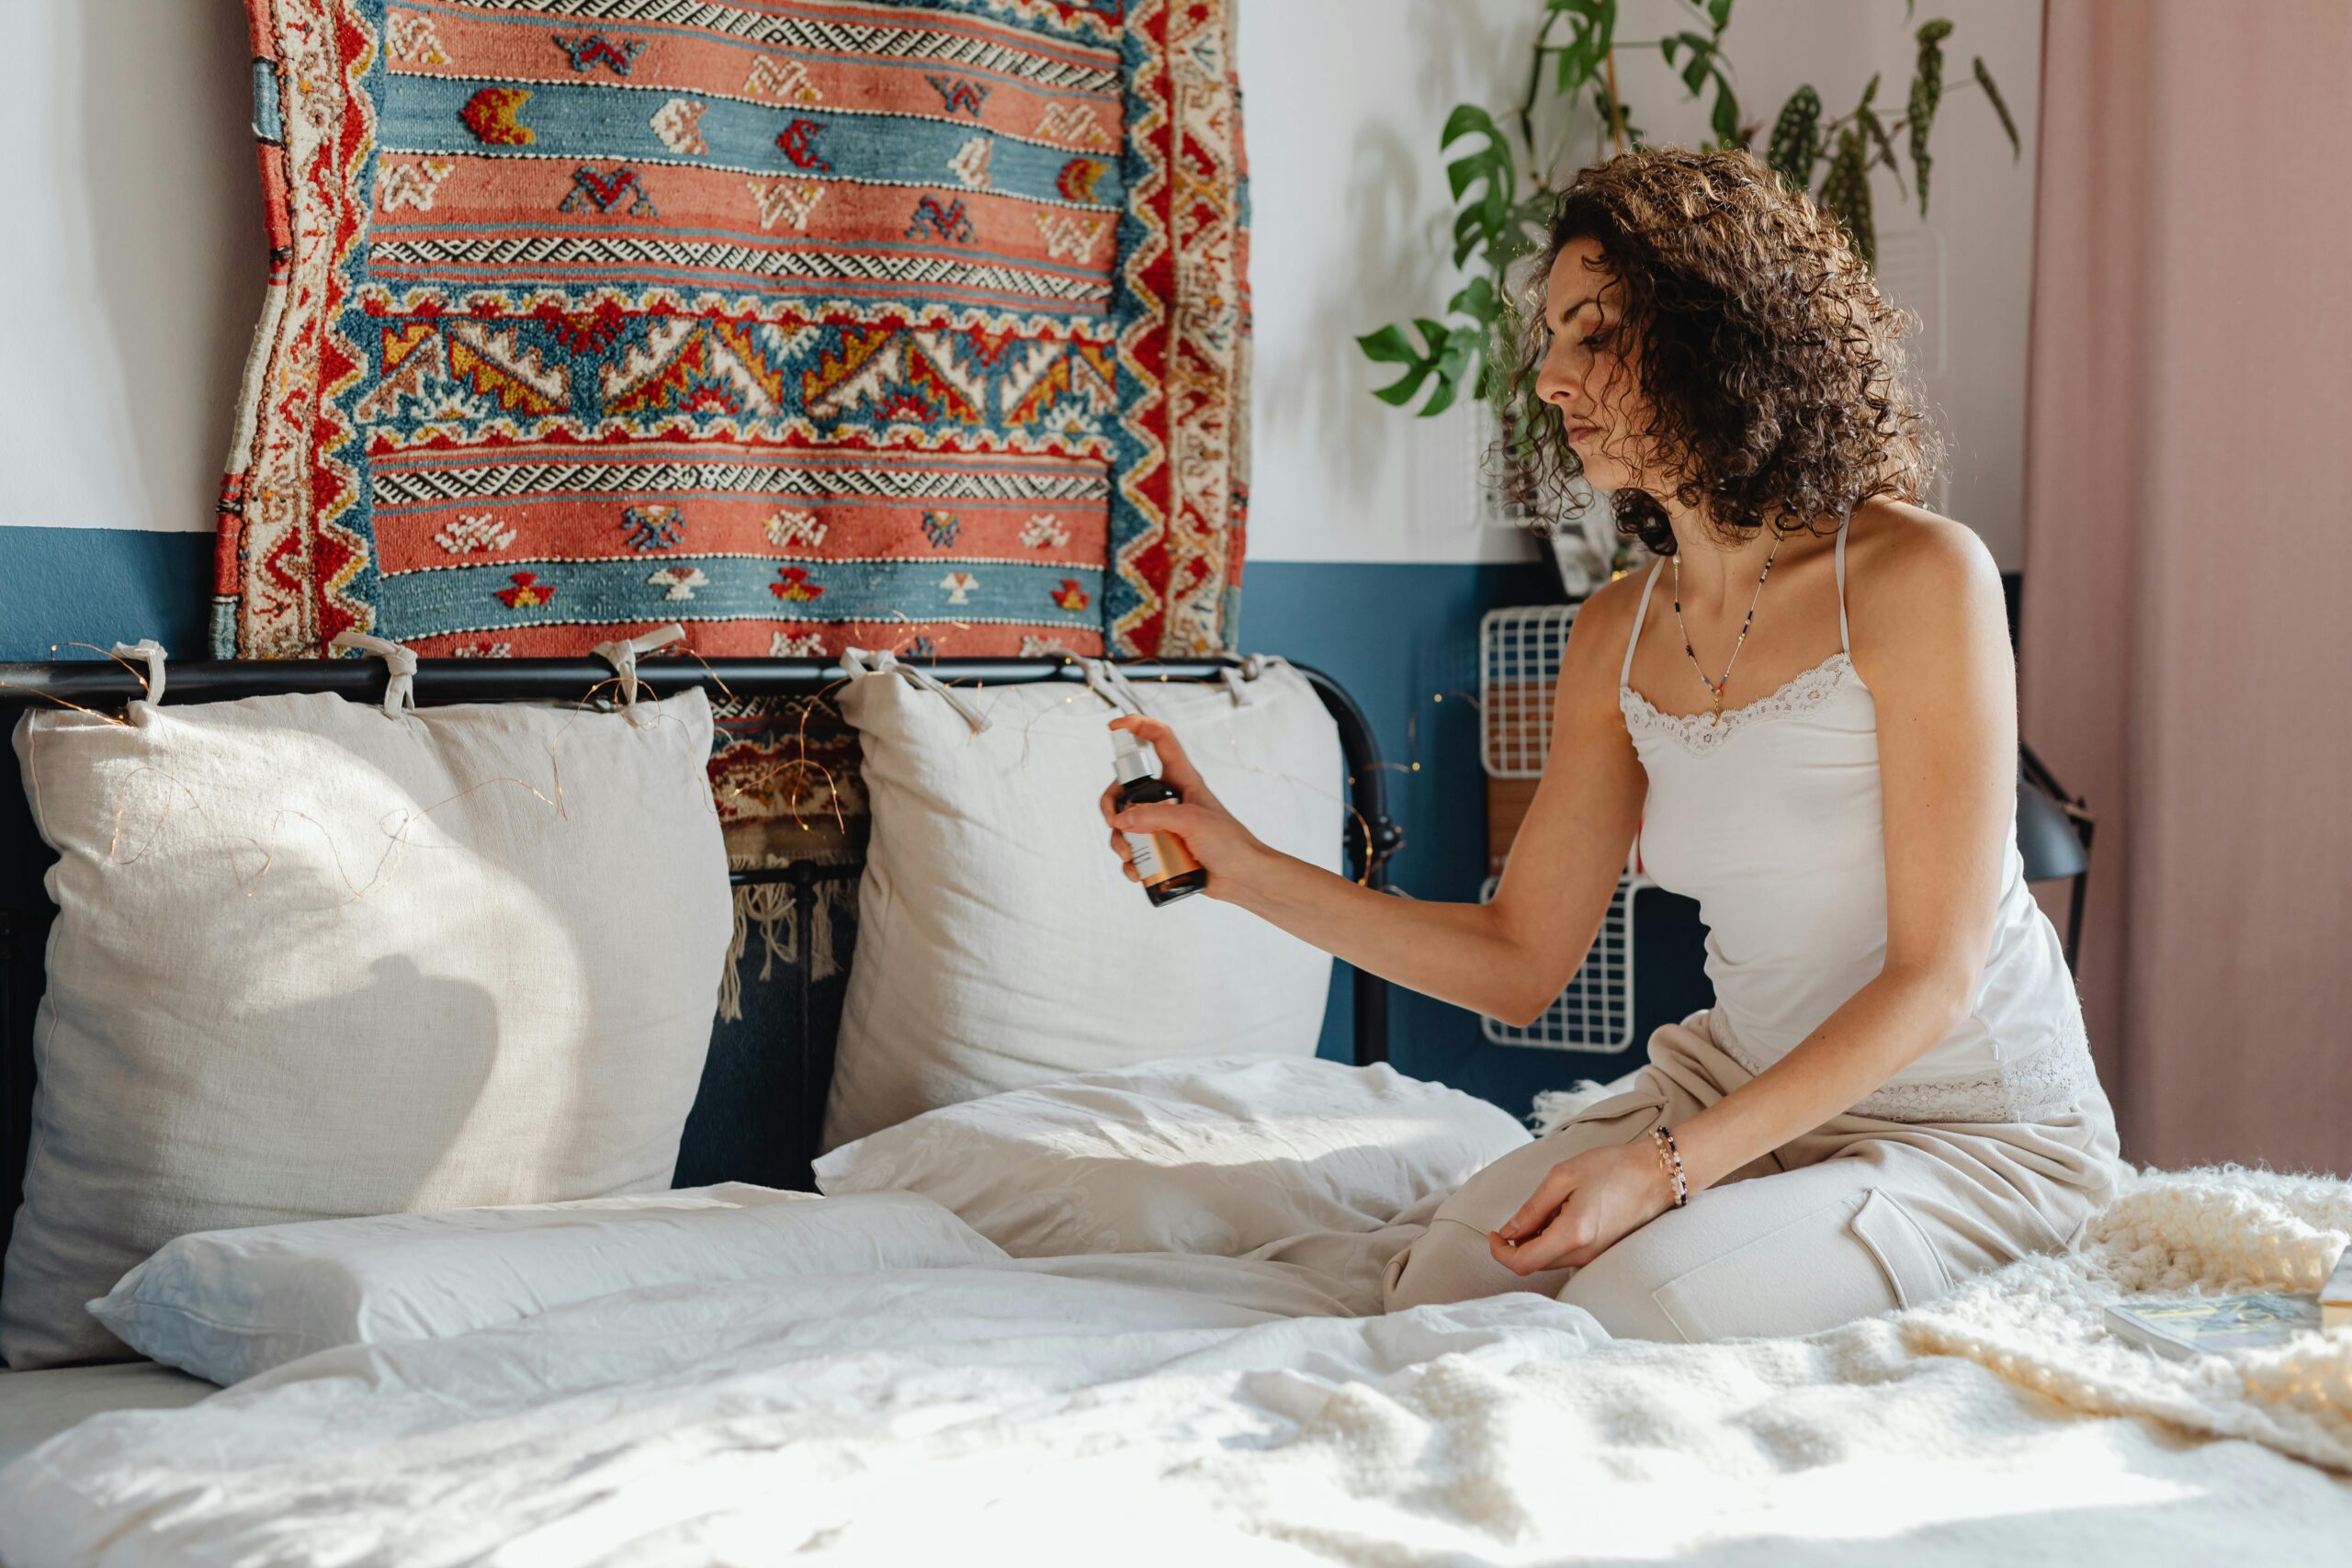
[1606,618]
[1908,550]
[1920,584]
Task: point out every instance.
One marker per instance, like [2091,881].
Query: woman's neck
[1716,571]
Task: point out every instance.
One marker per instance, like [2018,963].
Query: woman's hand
[1213,835]
[1587,1203]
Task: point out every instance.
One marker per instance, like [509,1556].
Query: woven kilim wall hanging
[804,323]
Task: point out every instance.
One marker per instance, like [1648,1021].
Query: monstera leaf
[1593,33]
[1444,356]
[1486,170]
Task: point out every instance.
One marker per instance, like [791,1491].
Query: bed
[1175,1406]
[782,1070]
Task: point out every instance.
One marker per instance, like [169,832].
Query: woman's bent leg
[1792,1253]
[1849,1220]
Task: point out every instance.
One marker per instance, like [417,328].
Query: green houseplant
[1501,177]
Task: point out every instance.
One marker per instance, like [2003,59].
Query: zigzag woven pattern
[804,323]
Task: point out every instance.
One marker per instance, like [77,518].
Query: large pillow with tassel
[999,943]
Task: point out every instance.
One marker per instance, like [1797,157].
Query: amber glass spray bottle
[1161,862]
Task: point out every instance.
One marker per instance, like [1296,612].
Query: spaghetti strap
[1626,675]
[1844,643]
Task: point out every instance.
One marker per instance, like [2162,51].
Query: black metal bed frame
[25,912]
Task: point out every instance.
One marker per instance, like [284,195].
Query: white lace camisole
[1770,818]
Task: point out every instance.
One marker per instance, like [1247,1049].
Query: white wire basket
[1519,665]
[1595,1012]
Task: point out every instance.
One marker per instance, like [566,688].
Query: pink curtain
[2187,605]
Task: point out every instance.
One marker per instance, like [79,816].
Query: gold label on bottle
[1174,859]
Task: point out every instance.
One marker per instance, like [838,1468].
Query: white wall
[135,255]
[135,258]
[1343,102]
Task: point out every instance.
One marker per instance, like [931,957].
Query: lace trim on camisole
[2038,1088]
[1801,692]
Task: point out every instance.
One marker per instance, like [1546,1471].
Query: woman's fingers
[1157,816]
[1174,765]
[1541,1204]
[1547,1228]
[1567,1242]
[1119,848]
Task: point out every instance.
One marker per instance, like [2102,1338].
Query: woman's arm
[1935,636]
[1507,958]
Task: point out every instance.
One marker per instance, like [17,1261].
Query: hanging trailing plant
[1501,178]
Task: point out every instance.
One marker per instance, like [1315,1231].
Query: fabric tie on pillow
[399,692]
[148,648]
[621,654]
[861,663]
[1237,681]
[1106,681]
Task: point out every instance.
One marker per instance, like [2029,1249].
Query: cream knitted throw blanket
[2215,1231]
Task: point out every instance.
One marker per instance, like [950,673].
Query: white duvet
[1153,1407]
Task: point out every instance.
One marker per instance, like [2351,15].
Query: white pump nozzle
[1128,756]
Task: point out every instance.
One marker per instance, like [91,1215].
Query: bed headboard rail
[722,1143]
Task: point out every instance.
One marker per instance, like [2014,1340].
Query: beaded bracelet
[1671,1157]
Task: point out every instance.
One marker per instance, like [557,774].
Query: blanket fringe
[1555,1106]
[768,908]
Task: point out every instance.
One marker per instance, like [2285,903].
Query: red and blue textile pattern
[804,323]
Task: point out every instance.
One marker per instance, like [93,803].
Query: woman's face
[1587,372]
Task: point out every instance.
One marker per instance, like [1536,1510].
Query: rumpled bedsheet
[1151,1408]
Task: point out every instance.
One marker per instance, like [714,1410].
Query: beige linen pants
[1854,1218]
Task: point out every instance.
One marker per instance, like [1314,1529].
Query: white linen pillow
[1225,1155]
[227,1304]
[999,945]
[315,959]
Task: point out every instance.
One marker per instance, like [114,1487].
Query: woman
[1816,739]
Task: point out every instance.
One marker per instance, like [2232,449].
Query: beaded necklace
[1715,688]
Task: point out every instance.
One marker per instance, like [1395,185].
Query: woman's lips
[1578,432]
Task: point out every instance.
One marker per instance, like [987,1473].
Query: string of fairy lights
[797,779]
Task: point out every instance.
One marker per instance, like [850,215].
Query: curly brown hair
[1777,389]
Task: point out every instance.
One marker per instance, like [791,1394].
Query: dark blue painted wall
[101,586]
[1403,638]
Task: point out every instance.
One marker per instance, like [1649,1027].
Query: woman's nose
[1555,378]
